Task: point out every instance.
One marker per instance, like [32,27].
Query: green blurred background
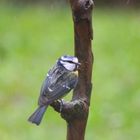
[33,36]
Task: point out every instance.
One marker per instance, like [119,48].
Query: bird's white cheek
[70,67]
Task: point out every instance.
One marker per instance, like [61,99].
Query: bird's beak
[78,64]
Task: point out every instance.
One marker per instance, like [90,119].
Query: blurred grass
[33,37]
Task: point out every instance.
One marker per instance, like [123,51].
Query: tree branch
[76,112]
[71,110]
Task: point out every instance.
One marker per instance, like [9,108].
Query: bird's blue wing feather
[60,88]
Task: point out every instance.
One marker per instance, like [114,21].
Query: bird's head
[69,62]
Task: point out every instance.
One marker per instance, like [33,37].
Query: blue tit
[60,80]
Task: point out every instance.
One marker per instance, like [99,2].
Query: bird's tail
[37,116]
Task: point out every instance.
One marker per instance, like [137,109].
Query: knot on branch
[76,109]
[88,4]
[81,9]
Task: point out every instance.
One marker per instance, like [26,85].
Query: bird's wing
[52,77]
[59,89]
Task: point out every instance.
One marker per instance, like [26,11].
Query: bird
[60,80]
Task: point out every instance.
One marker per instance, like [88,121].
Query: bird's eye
[69,61]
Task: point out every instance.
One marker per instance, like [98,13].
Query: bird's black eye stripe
[67,61]
[70,62]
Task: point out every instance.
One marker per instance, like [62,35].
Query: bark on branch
[76,112]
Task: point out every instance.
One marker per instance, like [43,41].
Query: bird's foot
[61,104]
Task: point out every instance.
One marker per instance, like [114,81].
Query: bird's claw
[61,104]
